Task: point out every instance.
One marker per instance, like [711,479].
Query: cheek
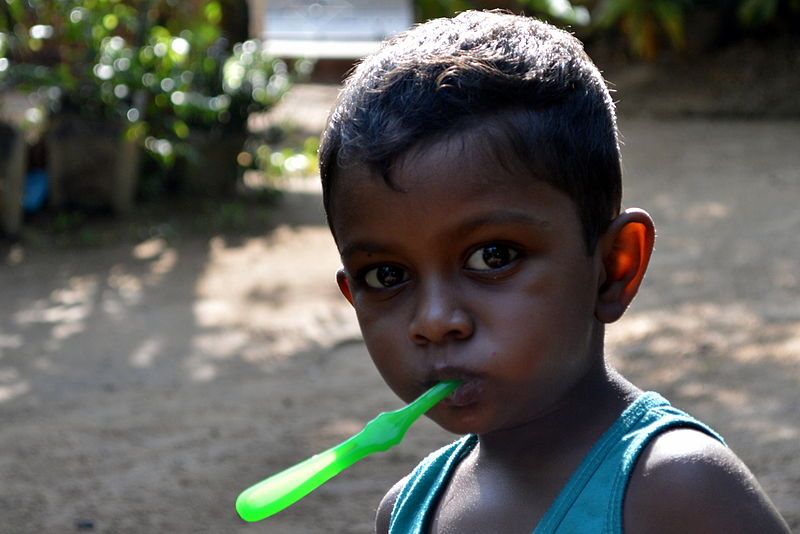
[385,337]
[549,314]
[378,322]
[570,327]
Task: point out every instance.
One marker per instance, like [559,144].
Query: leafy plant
[431,9]
[646,23]
[61,60]
[163,69]
[4,62]
[755,13]
[192,83]
[559,11]
[279,154]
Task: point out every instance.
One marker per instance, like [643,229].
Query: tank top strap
[660,418]
[417,498]
[592,499]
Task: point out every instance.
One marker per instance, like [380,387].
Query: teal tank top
[591,501]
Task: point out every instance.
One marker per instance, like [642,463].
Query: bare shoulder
[685,481]
[386,506]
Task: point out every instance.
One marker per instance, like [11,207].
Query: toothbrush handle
[283,489]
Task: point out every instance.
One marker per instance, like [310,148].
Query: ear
[344,285]
[626,248]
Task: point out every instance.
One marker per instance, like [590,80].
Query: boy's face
[473,272]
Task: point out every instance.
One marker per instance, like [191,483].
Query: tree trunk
[12,178]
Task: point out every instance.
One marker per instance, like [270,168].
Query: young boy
[471,179]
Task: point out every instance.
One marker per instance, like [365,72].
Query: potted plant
[201,91]
[120,79]
[65,64]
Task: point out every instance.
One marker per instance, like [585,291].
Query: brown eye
[385,276]
[491,257]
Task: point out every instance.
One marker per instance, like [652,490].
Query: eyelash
[363,275]
[513,253]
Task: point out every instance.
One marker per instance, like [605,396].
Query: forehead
[433,185]
[481,162]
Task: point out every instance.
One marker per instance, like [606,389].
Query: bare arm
[687,482]
[386,506]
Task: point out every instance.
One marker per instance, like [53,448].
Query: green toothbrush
[283,489]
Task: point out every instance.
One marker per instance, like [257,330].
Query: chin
[460,423]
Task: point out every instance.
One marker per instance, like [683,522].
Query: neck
[575,421]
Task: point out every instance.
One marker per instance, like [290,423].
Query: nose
[439,316]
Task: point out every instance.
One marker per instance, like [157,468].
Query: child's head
[525,87]
[467,169]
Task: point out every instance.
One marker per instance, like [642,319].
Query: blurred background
[170,329]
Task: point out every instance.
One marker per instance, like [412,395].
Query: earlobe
[344,285]
[626,248]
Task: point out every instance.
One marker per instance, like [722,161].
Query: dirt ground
[144,385]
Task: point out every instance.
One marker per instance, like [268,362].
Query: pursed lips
[467,394]
[441,372]
[469,390]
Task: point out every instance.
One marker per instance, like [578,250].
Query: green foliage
[757,13]
[162,68]
[559,11]
[652,25]
[253,80]
[646,23]
[649,26]
[431,9]
[280,153]
[56,50]
[5,64]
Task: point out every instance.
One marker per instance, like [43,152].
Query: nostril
[456,324]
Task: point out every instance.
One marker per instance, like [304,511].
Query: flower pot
[91,164]
[211,169]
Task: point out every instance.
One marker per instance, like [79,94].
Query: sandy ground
[143,386]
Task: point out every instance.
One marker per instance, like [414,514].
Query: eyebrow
[500,217]
[362,246]
[462,228]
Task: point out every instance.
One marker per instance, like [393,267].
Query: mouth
[466,394]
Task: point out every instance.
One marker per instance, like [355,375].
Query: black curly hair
[529,85]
